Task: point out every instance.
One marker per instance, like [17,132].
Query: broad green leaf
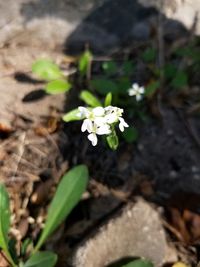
[85,62]
[5,222]
[149,55]
[151,88]
[67,195]
[46,69]
[73,115]
[108,100]
[109,67]
[42,259]
[90,99]
[104,86]
[139,263]
[113,140]
[57,87]
[180,80]
[130,134]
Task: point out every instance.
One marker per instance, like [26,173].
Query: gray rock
[101,22]
[136,232]
[141,31]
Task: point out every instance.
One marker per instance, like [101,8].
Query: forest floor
[161,166]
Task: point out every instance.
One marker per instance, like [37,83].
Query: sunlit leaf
[5,222]
[130,134]
[57,87]
[138,263]
[90,99]
[47,70]
[67,195]
[109,67]
[85,62]
[104,86]
[108,100]
[73,115]
[42,259]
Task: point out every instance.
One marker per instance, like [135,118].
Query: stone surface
[136,232]
[104,23]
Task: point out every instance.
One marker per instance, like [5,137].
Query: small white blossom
[136,91]
[114,114]
[99,120]
[97,130]
[122,124]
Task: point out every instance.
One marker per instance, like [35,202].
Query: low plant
[67,195]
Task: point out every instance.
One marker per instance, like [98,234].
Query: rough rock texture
[136,232]
[105,24]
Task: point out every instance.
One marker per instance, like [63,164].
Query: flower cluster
[99,121]
[136,91]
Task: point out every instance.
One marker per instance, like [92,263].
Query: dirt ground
[36,148]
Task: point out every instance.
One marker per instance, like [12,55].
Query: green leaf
[47,70]
[152,88]
[139,263]
[170,71]
[85,62]
[124,84]
[128,67]
[104,86]
[180,80]
[108,100]
[109,67]
[41,259]
[5,222]
[113,140]
[130,134]
[149,55]
[26,245]
[57,87]
[72,115]
[67,195]
[90,99]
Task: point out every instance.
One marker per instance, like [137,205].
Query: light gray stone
[102,22]
[136,232]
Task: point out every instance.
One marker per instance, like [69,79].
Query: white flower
[136,91]
[99,121]
[83,112]
[93,138]
[122,124]
[113,114]
[97,130]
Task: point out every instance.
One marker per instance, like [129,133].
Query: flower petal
[93,138]
[98,111]
[138,97]
[122,124]
[87,125]
[103,129]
